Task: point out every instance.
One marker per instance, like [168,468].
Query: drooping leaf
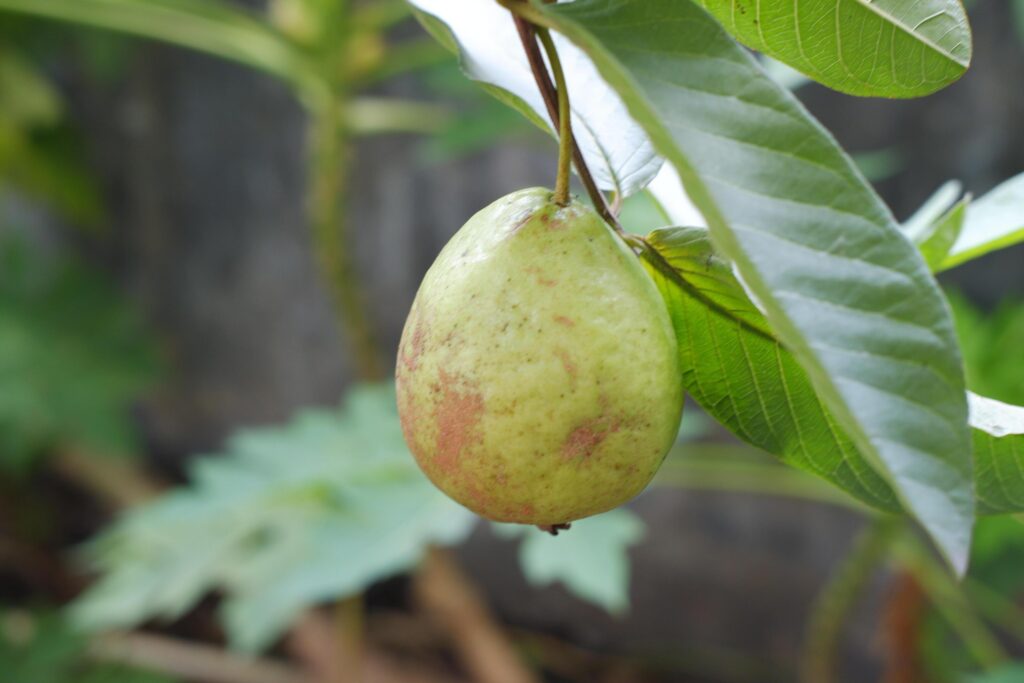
[73,357]
[998,454]
[211,26]
[842,288]
[881,48]
[740,374]
[617,151]
[995,221]
[590,559]
[288,517]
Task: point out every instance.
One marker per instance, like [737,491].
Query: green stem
[951,602]
[330,148]
[332,239]
[564,119]
[838,597]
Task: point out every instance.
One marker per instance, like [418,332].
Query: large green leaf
[841,287]
[887,48]
[740,374]
[995,221]
[289,517]
[998,454]
[206,25]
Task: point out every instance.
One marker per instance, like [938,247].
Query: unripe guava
[538,379]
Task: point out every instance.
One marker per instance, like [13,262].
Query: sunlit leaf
[887,48]
[617,150]
[994,221]
[842,288]
[941,201]
[936,242]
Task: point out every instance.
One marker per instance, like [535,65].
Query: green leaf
[941,201]
[616,149]
[209,26]
[741,375]
[288,517]
[61,320]
[842,288]
[998,455]
[881,48]
[590,559]
[995,221]
[936,242]
[736,370]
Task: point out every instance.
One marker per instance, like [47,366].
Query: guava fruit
[537,377]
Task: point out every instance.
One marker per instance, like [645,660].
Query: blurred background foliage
[73,357]
[283,526]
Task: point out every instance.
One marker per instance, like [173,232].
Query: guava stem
[547,90]
[564,119]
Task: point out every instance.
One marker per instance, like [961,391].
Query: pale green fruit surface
[537,377]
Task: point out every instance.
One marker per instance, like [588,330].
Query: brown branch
[202,663]
[446,594]
[904,612]
[325,647]
[528,37]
